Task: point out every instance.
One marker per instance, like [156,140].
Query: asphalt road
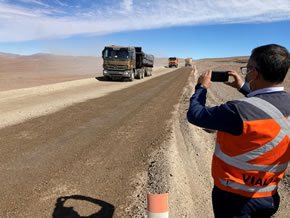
[87,154]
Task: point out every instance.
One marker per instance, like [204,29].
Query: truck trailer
[122,62]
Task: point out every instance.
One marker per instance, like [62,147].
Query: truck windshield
[172,59]
[116,54]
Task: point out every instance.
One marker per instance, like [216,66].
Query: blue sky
[182,28]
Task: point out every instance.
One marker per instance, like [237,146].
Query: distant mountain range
[8,55]
[37,55]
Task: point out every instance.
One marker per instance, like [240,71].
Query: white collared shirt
[265,90]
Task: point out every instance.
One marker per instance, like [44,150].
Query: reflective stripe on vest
[240,161]
[236,162]
[242,187]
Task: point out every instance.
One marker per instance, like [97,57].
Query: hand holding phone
[219,76]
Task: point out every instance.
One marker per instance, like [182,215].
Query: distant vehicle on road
[172,62]
[188,62]
[122,62]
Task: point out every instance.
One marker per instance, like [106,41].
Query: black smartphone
[219,76]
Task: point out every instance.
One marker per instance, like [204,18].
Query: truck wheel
[139,74]
[132,76]
[135,74]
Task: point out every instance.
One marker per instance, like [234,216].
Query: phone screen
[219,76]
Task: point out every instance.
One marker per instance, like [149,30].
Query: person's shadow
[60,211]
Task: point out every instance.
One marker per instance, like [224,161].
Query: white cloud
[38,2]
[61,3]
[16,12]
[127,6]
[18,23]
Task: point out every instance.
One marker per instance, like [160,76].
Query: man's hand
[238,81]
[204,79]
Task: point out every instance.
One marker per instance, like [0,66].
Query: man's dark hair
[272,61]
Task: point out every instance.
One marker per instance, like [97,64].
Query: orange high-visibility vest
[253,163]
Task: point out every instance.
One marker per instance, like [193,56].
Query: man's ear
[256,75]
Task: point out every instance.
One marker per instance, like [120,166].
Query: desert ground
[74,145]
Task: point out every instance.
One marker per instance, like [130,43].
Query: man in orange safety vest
[253,135]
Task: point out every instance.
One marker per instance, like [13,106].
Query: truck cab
[126,62]
[172,62]
[188,62]
[119,62]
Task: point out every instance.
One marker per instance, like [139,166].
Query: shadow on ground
[60,211]
[103,79]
